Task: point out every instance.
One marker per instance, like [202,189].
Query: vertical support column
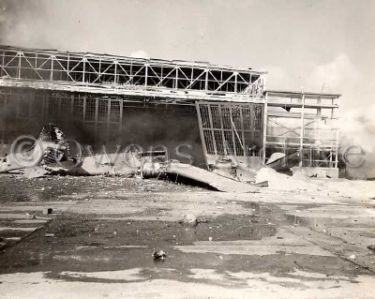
[2,121]
[84,108]
[336,132]
[121,103]
[68,65]
[108,119]
[233,131]
[317,129]
[319,109]
[302,131]
[235,81]
[146,75]
[96,117]
[116,74]
[131,73]
[212,128]
[84,71]
[51,69]
[5,96]
[243,133]
[19,65]
[252,121]
[206,80]
[36,60]
[316,136]
[265,125]
[72,103]
[191,77]
[96,111]
[203,141]
[2,72]
[225,144]
[99,73]
[337,148]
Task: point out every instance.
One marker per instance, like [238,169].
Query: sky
[311,45]
[320,45]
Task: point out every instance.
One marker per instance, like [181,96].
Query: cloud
[338,74]
[341,75]
[140,54]
[357,105]
[278,78]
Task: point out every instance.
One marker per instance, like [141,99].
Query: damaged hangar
[219,110]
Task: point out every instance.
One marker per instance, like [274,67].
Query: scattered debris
[246,174]
[371,247]
[48,154]
[225,167]
[279,181]
[261,184]
[51,154]
[208,178]
[275,159]
[35,172]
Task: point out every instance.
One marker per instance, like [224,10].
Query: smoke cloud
[340,75]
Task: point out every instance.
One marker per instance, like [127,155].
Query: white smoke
[140,54]
[357,107]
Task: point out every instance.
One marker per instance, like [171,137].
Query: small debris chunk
[47,211]
[3,243]
[371,247]
[159,255]
[189,219]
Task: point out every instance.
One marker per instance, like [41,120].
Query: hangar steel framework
[233,108]
[109,74]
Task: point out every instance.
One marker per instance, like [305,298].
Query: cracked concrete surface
[267,245]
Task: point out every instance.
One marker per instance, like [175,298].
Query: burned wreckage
[231,125]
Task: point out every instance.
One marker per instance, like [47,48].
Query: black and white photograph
[187,149]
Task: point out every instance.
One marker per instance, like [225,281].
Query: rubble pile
[48,154]
[280,181]
[55,148]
